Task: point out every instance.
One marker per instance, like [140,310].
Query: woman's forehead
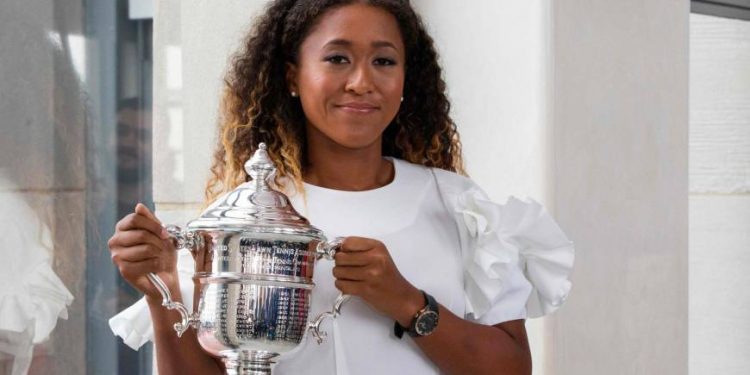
[356,25]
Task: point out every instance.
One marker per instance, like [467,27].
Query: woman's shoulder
[449,182]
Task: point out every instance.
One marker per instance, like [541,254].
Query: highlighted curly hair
[256,106]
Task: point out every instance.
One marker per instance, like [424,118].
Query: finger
[135,254]
[137,237]
[353,244]
[353,288]
[141,209]
[139,221]
[350,273]
[131,271]
[351,259]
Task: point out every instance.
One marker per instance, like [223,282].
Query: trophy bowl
[255,257]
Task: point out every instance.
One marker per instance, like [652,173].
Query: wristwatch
[424,322]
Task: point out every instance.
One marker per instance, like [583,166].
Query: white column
[496,60]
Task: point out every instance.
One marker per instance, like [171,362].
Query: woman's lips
[358,107]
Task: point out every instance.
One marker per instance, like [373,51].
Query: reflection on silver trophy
[255,257]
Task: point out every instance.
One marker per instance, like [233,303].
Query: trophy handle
[314,327]
[183,240]
[328,250]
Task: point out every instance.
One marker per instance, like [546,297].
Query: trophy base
[248,363]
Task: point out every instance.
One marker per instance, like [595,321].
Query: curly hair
[256,106]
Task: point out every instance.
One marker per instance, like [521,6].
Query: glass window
[75,156]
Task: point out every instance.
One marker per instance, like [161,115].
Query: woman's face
[350,75]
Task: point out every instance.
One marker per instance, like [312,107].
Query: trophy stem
[248,365]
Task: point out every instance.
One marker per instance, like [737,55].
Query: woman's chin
[349,135]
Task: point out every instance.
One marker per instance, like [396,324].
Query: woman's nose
[360,80]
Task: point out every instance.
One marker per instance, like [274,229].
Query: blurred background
[629,120]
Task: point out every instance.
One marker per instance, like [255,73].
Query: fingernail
[164,233]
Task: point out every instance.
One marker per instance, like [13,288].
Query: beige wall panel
[620,127]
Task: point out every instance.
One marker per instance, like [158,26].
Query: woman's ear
[291,79]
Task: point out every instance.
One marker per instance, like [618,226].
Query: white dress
[487,262]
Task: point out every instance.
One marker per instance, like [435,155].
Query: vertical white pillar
[496,59]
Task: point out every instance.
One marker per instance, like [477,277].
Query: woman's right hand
[142,245]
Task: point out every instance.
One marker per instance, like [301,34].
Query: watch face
[426,323]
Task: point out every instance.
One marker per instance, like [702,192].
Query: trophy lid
[256,207]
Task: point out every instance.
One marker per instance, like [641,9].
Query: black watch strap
[398,330]
[431,307]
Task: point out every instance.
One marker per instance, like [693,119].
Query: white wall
[719,195]
[494,55]
[620,118]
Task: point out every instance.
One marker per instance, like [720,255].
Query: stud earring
[402,99]
[294,94]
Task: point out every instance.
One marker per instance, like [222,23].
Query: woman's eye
[337,59]
[384,61]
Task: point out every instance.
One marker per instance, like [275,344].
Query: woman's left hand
[364,268]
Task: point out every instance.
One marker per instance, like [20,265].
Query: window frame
[736,9]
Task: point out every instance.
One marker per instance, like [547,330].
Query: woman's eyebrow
[348,43]
[383,43]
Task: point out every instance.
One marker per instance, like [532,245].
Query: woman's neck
[336,167]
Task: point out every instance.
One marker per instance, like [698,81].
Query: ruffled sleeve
[32,296]
[38,302]
[134,324]
[516,258]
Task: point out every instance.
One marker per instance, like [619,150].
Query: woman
[348,97]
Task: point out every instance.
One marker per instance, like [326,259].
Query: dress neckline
[385,189]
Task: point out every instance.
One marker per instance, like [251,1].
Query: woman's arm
[458,346]
[364,268]
[140,245]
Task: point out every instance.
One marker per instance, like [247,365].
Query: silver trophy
[255,257]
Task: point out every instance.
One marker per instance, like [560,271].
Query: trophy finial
[260,166]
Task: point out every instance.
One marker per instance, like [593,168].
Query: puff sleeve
[516,259]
